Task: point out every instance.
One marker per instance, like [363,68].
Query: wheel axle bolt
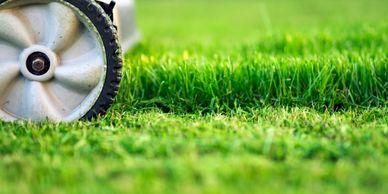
[38,64]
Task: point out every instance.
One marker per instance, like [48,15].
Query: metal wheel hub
[38,63]
[52,61]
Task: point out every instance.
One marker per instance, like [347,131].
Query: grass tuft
[327,73]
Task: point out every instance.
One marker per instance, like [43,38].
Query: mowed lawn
[228,96]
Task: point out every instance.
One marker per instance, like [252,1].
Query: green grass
[228,96]
[266,150]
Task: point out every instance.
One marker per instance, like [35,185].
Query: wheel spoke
[8,72]
[9,66]
[80,47]
[69,98]
[64,27]
[37,104]
[37,16]
[81,74]
[14,30]
[8,52]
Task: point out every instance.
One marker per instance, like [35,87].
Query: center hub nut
[38,63]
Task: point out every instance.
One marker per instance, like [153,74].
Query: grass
[269,150]
[227,97]
[253,76]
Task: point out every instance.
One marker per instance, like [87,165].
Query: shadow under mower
[61,60]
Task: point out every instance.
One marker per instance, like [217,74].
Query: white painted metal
[38,48]
[78,63]
[125,20]
[124,15]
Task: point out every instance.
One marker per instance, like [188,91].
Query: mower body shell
[125,20]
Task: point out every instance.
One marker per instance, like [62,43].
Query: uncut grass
[321,70]
[215,56]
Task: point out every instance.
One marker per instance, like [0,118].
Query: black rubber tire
[113,53]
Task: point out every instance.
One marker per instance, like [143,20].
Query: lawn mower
[61,60]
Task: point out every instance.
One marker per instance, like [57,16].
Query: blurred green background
[185,22]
